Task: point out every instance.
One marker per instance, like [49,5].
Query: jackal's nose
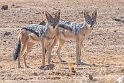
[53,26]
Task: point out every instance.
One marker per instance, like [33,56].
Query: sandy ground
[103,48]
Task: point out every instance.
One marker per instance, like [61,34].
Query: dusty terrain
[103,48]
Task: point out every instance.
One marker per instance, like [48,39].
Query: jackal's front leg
[49,55]
[78,52]
[61,44]
[50,66]
[43,56]
[52,46]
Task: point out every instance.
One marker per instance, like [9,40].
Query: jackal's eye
[50,21]
[92,20]
[88,21]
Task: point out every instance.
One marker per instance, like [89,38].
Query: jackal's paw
[79,63]
[50,66]
[19,67]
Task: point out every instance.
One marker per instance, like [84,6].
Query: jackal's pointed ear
[94,14]
[48,16]
[57,14]
[85,13]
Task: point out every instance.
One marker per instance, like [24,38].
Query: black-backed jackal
[75,30]
[34,33]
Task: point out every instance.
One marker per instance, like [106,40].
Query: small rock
[115,31]
[57,73]
[73,70]
[90,77]
[121,19]
[35,74]
[38,13]
[106,65]
[81,12]
[93,65]
[0,66]
[13,4]
[7,33]
[116,19]
[4,41]
[43,12]
[4,7]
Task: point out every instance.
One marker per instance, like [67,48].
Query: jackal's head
[90,19]
[53,21]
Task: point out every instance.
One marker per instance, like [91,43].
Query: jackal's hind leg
[29,47]
[23,46]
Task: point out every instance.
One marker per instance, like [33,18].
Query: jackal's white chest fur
[86,30]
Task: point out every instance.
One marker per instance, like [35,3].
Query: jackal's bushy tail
[16,49]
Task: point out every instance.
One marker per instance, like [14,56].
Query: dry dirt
[103,48]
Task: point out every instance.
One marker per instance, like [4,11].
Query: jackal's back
[73,26]
[37,29]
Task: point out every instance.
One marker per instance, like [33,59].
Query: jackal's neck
[49,33]
[86,28]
